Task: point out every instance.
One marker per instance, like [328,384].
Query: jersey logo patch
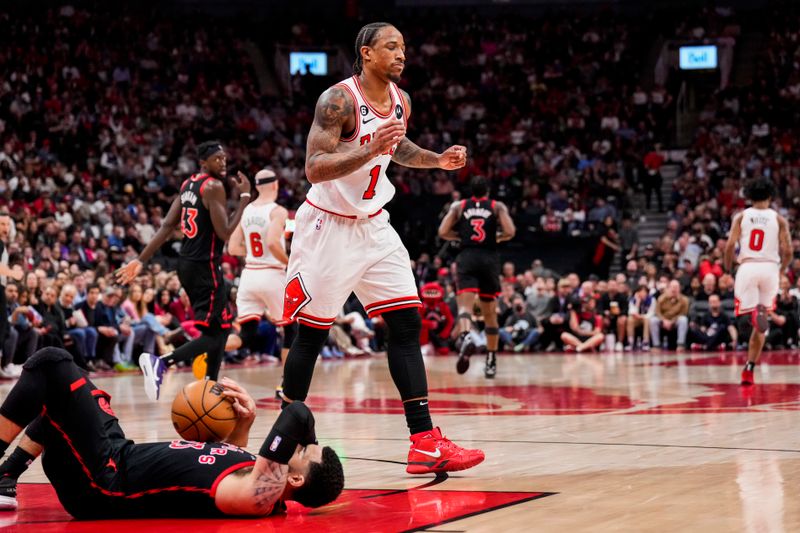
[275,443]
[398,111]
[295,297]
[364,111]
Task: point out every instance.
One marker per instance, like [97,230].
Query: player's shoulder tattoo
[333,107]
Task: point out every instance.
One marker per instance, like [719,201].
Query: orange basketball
[201,413]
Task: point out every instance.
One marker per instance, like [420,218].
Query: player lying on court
[98,473]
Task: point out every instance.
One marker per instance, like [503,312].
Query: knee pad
[492,330]
[404,325]
[47,355]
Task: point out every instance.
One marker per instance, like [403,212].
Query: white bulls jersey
[760,235]
[367,190]
[255,225]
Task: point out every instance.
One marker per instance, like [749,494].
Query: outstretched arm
[128,273]
[447,227]
[333,111]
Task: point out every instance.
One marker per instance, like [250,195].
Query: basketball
[201,413]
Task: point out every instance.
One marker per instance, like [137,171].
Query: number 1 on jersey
[374,174]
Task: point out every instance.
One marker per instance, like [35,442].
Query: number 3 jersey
[200,242]
[255,225]
[477,225]
[365,191]
[759,238]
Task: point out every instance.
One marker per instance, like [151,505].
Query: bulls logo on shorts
[295,297]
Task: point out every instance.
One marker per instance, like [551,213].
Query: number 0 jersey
[760,236]
[200,241]
[255,225]
[365,191]
[477,225]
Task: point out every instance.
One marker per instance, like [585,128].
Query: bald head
[266,181]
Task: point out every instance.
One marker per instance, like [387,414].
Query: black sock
[202,344]
[418,416]
[17,463]
[750,366]
[491,356]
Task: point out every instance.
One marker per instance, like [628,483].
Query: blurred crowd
[100,113]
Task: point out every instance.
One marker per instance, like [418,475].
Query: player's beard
[394,78]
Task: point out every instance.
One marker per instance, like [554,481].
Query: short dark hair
[324,482]
[92,286]
[759,189]
[479,186]
[366,37]
[208,148]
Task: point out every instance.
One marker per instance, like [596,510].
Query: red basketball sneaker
[430,452]
[747,377]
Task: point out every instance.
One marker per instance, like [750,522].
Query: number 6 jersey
[255,225]
[759,238]
[365,191]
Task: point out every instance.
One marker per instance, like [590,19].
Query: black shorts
[205,287]
[479,271]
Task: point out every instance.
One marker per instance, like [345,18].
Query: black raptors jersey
[200,242]
[477,226]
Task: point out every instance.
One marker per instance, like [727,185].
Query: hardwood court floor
[605,442]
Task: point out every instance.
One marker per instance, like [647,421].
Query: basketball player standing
[200,210]
[474,222]
[259,237]
[344,243]
[765,251]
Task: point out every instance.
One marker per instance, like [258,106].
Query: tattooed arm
[409,154]
[335,110]
[252,491]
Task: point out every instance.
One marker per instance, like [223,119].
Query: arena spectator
[712,329]
[520,330]
[585,326]
[641,308]
[671,316]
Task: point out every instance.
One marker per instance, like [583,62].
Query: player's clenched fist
[453,158]
[386,136]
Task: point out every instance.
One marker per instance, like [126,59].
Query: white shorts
[261,292]
[756,283]
[333,256]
